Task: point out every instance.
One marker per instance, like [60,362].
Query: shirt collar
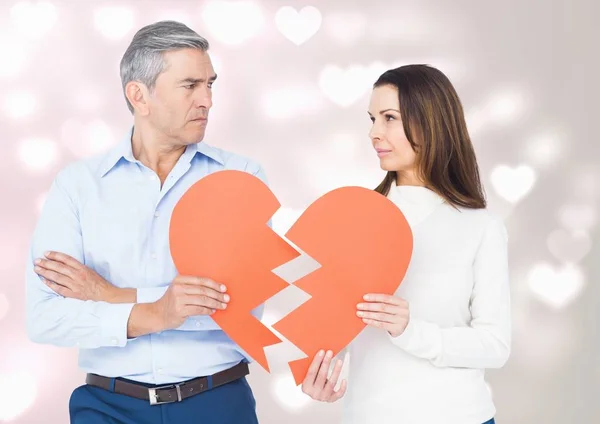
[209,151]
[123,150]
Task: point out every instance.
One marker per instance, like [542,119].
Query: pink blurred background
[294,80]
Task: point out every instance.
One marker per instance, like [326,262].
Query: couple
[101,275]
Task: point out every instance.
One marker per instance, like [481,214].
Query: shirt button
[160,371]
[154,256]
[198,324]
[156,214]
[115,341]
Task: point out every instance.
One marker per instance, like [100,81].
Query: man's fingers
[193,290]
[190,311]
[204,301]
[55,266]
[65,259]
[202,282]
[61,290]
[55,277]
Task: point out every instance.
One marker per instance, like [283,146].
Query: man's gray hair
[143,60]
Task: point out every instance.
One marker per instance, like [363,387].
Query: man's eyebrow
[197,80]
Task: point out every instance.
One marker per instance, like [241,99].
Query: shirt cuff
[114,319]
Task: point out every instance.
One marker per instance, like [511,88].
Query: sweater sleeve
[485,343]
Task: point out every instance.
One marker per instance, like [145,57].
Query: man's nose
[204,98]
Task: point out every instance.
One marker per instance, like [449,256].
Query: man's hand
[185,297]
[69,278]
[189,296]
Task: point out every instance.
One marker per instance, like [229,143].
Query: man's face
[179,104]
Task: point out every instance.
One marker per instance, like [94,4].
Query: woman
[422,356]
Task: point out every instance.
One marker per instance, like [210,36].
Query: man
[147,341]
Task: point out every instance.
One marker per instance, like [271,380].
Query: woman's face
[387,133]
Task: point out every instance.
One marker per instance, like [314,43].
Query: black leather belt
[171,392]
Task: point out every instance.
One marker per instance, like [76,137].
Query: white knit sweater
[458,290]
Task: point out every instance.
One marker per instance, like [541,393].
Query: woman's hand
[317,385]
[385,311]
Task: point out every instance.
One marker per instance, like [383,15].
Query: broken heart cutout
[359,237]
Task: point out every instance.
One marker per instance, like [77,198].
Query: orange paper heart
[361,240]
[364,244]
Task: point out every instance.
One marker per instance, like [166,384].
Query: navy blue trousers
[492,421]
[232,403]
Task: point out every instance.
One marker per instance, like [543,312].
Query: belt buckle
[154,396]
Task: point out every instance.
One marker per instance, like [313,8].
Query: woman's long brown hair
[434,124]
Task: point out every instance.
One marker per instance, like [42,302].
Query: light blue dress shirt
[110,213]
